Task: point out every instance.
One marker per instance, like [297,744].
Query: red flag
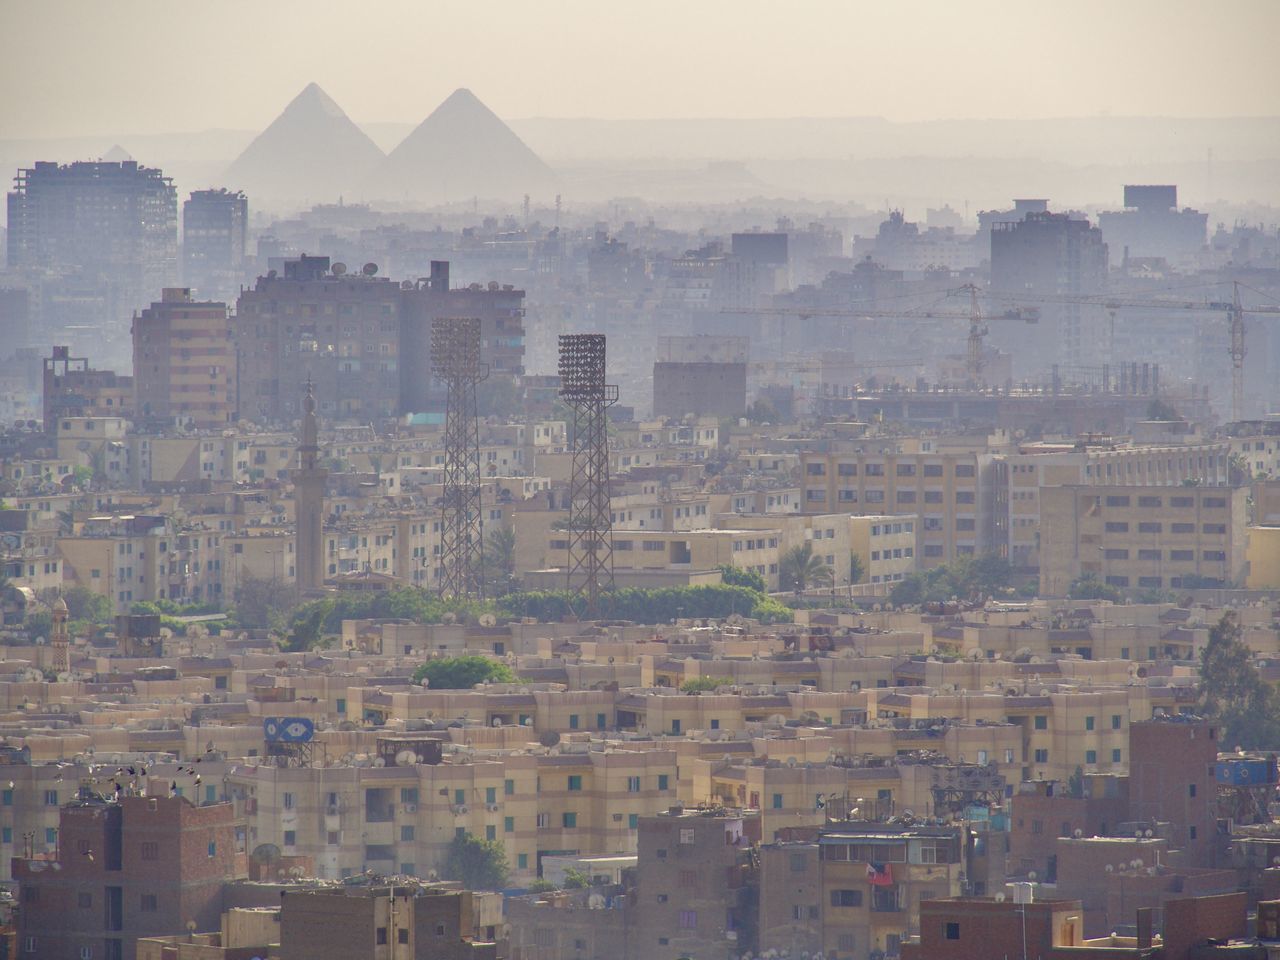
[879,874]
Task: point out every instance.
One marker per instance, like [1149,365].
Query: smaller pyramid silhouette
[462,150]
[117,154]
[312,152]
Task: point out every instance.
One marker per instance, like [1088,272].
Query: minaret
[59,641]
[308,495]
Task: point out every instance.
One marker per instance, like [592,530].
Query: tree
[857,569]
[576,879]
[800,568]
[463,673]
[739,577]
[262,602]
[500,560]
[308,630]
[477,864]
[965,578]
[704,684]
[1234,693]
[1158,409]
[1089,587]
[762,411]
[84,604]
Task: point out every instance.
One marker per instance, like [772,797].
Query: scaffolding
[589,570]
[455,359]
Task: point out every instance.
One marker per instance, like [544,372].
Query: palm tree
[500,558]
[800,568]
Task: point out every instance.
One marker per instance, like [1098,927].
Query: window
[150,850]
[288,801]
[490,794]
[573,725]
[51,798]
[522,861]
[799,863]
[1118,501]
[1042,723]
[662,781]
[1191,790]
[212,850]
[380,936]
[633,821]
[291,838]
[951,930]
[633,784]
[1088,723]
[688,919]
[1091,756]
[1115,756]
[1150,526]
[459,797]
[777,801]
[407,795]
[1117,526]
[1042,756]
[149,903]
[575,782]
[508,824]
[686,836]
[569,821]
[846,898]
[407,834]
[490,832]
[508,787]
[688,878]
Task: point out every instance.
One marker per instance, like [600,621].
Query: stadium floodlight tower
[455,359]
[590,567]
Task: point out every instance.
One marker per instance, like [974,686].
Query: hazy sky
[94,67]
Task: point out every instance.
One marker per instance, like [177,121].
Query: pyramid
[312,153]
[461,151]
[116,154]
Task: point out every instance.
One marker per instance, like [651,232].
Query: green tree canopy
[463,673]
[477,864]
[966,578]
[704,684]
[857,569]
[1089,587]
[1234,693]
[84,604]
[660,605]
[801,569]
[738,577]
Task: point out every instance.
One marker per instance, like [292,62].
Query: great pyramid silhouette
[312,152]
[462,150]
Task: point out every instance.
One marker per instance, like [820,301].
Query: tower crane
[1235,323]
[977,320]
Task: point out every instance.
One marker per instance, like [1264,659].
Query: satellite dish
[488,620]
[549,739]
[379,762]
[369,269]
[338,269]
[595,902]
[406,758]
[406,284]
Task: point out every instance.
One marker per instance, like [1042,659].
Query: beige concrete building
[1141,537]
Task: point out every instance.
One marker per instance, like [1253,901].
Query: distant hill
[461,150]
[312,152]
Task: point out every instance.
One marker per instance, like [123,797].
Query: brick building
[382,923]
[140,867]
[71,388]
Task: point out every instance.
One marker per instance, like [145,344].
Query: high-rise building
[136,867]
[500,310]
[1151,225]
[110,230]
[184,363]
[214,229]
[1050,255]
[362,340]
[337,330]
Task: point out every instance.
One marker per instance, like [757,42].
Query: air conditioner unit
[409,807]
[491,807]
[460,810]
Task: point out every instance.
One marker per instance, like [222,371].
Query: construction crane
[1235,323]
[977,320]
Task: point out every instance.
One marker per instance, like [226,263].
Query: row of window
[817,468]
[1154,526]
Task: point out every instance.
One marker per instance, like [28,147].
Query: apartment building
[1141,537]
[949,490]
[401,819]
[693,876]
[885,544]
[138,867]
[184,363]
[71,388]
